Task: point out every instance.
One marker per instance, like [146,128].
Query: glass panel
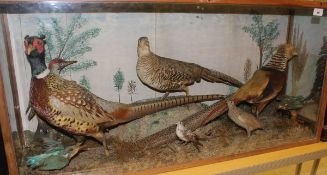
[273,90]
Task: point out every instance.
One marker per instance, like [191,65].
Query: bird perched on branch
[265,84]
[66,105]
[187,135]
[169,75]
[243,119]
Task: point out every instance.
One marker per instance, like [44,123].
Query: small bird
[55,158]
[169,75]
[187,135]
[243,119]
[265,84]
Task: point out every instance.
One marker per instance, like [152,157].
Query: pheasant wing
[254,88]
[72,100]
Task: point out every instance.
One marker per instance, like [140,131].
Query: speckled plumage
[169,75]
[187,135]
[265,84]
[243,119]
[71,107]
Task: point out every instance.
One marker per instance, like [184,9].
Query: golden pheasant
[265,84]
[72,108]
[169,75]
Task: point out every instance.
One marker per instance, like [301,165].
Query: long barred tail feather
[218,77]
[141,109]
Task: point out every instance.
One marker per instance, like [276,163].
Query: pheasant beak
[66,63]
[30,49]
[70,62]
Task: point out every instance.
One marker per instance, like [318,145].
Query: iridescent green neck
[37,66]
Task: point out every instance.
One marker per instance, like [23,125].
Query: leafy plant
[68,42]
[247,69]
[299,62]
[263,35]
[131,88]
[118,82]
[320,73]
[85,82]
[231,89]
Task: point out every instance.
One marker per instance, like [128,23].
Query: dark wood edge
[286,3]
[5,127]
[13,82]
[322,106]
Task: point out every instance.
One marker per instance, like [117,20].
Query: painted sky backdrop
[215,41]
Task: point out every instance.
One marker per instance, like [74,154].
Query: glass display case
[111,87]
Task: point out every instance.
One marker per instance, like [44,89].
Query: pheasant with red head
[72,108]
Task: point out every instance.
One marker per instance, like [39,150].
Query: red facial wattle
[39,45]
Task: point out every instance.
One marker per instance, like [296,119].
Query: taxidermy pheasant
[243,119]
[55,67]
[265,84]
[169,75]
[187,135]
[55,158]
[72,108]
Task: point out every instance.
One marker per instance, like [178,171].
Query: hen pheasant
[265,84]
[169,75]
[243,118]
[72,108]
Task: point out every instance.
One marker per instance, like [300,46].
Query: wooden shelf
[260,163]
[282,3]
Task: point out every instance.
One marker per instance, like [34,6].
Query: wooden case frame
[11,6]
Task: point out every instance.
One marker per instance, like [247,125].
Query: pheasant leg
[186,90]
[79,140]
[165,96]
[101,137]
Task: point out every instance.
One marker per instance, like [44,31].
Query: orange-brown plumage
[265,84]
[72,108]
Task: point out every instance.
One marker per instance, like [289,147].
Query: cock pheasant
[55,67]
[265,84]
[72,108]
[169,75]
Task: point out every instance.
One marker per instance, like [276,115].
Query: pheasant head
[143,47]
[35,53]
[281,56]
[57,64]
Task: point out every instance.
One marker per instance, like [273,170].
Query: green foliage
[263,35]
[231,89]
[85,82]
[204,105]
[118,82]
[69,42]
